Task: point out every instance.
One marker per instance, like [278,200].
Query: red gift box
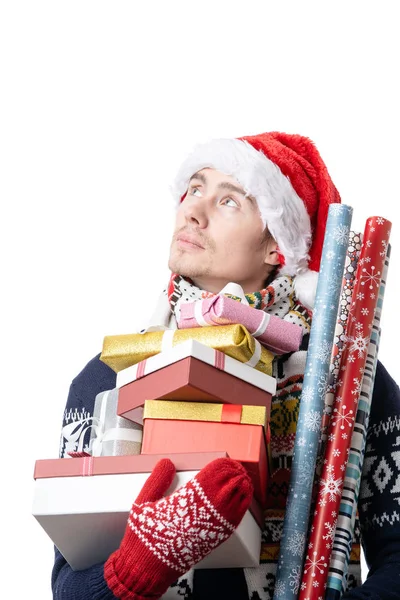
[167,428]
[191,380]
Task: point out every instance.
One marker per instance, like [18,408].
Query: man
[250,211]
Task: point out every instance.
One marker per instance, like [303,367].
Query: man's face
[218,235]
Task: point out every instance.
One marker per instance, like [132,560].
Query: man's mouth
[185,240]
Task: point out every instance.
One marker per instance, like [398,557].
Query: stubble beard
[183,264]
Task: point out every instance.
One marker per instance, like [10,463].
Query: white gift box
[207,355]
[85,515]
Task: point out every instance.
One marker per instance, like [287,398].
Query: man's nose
[196,214]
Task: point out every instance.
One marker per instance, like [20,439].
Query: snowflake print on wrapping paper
[335,284]
[371,278]
[380,221]
[359,344]
[322,383]
[296,543]
[357,386]
[305,473]
[342,417]
[313,420]
[360,296]
[330,255]
[385,247]
[336,209]
[294,580]
[341,234]
[330,533]
[315,564]
[292,512]
[323,352]
[280,588]
[307,394]
[318,319]
[331,487]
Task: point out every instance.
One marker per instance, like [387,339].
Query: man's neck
[216,285]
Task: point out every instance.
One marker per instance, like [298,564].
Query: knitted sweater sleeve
[379,499]
[89,584]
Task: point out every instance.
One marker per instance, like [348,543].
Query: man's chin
[185,267]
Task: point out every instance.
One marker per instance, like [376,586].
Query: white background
[100,102]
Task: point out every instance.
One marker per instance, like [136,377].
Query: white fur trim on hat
[281,209]
[305,287]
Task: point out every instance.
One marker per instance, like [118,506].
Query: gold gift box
[204,411]
[122,351]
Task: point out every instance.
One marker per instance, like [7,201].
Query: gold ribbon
[202,411]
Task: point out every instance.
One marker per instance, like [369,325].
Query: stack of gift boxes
[192,394]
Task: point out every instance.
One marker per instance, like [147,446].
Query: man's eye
[193,191]
[233,202]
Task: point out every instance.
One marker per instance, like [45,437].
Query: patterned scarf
[277,298]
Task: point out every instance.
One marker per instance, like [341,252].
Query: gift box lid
[205,411]
[109,465]
[204,353]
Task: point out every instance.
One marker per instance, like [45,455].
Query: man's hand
[165,537]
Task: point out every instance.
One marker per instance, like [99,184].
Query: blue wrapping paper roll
[295,527]
[342,543]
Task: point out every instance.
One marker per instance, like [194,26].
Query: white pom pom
[305,286]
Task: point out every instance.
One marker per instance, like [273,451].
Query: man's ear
[272,254]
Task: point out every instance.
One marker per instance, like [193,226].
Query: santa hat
[291,184]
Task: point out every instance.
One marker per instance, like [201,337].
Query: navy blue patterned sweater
[379,505]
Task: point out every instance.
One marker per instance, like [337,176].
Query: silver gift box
[112,435]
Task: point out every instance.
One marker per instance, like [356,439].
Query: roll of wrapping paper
[274,333]
[337,576]
[364,302]
[122,351]
[350,268]
[295,526]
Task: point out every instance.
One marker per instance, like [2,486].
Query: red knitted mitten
[165,537]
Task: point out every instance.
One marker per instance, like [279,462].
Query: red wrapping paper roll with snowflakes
[361,315]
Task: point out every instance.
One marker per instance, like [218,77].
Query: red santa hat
[291,184]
